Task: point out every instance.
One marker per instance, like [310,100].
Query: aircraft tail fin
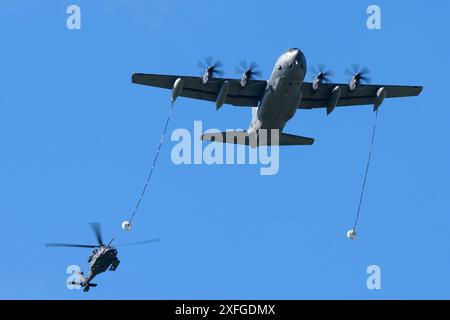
[243,138]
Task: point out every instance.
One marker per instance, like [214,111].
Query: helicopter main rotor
[98,234]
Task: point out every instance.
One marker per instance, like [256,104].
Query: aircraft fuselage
[283,92]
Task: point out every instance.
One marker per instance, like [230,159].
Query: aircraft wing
[363,94]
[193,88]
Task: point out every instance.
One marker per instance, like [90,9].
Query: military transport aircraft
[274,102]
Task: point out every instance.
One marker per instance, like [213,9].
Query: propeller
[321,73]
[98,233]
[207,66]
[358,73]
[136,243]
[248,71]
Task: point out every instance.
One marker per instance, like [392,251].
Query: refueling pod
[177,88]
[381,94]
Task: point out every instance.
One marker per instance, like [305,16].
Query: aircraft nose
[296,60]
[298,55]
[299,59]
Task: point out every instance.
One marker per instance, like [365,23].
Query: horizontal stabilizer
[291,140]
[263,139]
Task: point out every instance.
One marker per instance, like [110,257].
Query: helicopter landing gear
[114,265]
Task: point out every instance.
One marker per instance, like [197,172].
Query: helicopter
[103,257]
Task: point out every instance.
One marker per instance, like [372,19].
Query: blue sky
[77,140]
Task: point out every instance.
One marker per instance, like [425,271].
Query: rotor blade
[109,243]
[137,243]
[321,67]
[70,245]
[98,232]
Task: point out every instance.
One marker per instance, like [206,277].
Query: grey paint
[278,98]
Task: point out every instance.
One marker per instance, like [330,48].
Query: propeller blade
[207,64]
[257,74]
[326,74]
[137,243]
[220,73]
[356,68]
[98,232]
[70,245]
[253,65]
[218,64]
[365,70]
[243,65]
[366,79]
[201,65]
[329,73]
[349,72]
[208,61]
